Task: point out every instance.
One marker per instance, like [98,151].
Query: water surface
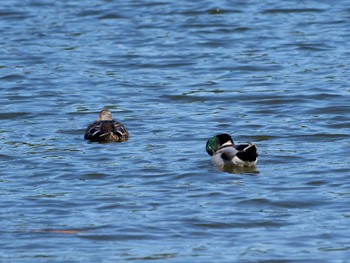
[275,73]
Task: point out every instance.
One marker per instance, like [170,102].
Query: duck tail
[248,154]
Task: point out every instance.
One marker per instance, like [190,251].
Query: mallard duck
[105,129]
[224,152]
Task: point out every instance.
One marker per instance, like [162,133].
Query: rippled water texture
[275,73]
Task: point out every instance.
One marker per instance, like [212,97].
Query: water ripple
[174,73]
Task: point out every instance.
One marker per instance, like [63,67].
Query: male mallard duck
[225,152]
[105,129]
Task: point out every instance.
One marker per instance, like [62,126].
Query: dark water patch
[290,204]
[339,110]
[242,29]
[317,183]
[12,15]
[220,11]
[201,91]
[111,16]
[93,176]
[187,98]
[340,125]
[117,237]
[320,94]
[143,6]
[5,157]
[167,64]
[13,115]
[213,11]
[319,137]
[292,10]
[117,205]
[256,68]
[274,100]
[90,13]
[210,225]
[160,256]
[207,225]
[335,248]
[259,138]
[314,47]
[12,77]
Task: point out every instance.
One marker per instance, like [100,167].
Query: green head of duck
[213,145]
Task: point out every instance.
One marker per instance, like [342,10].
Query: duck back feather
[106,131]
[247,152]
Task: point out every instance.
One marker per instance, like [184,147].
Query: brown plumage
[105,129]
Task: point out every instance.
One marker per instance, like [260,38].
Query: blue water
[176,73]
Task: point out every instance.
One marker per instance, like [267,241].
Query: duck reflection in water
[251,170]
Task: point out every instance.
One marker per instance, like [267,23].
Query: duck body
[225,153]
[105,129]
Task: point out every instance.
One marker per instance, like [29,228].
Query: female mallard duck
[224,152]
[105,129]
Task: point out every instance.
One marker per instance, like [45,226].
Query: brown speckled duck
[105,129]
